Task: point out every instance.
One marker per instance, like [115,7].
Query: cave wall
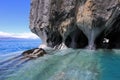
[71,22]
[112,34]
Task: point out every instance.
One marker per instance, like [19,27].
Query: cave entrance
[76,40]
[112,34]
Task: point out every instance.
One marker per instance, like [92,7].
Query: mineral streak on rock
[74,23]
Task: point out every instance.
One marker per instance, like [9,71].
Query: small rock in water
[34,53]
[28,52]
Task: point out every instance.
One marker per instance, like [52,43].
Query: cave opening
[112,34]
[76,40]
[54,39]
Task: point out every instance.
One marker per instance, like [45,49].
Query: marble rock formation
[76,23]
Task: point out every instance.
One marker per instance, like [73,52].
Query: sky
[14,16]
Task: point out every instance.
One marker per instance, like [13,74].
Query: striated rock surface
[76,23]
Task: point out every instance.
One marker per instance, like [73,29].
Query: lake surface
[68,64]
[8,46]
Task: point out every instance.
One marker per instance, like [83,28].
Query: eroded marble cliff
[76,23]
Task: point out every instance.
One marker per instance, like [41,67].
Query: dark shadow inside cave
[112,36]
[54,39]
[76,40]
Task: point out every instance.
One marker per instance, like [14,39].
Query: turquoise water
[15,45]
[66,64]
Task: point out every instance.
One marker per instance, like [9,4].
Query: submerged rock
[76,23]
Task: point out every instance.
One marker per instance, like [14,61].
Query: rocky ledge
[76,23]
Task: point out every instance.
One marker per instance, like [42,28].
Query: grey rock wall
[75,23]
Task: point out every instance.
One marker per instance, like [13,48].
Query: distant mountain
[4,35]
[7,37]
